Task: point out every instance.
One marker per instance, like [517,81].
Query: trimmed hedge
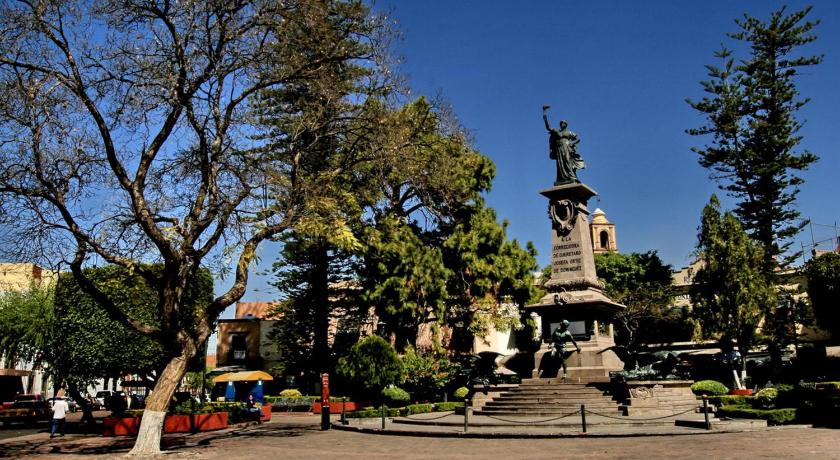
[290,393]
[730,400]
[447,406]
[782,416]
[412,409]
[709,388]
[373,412]
[395,396]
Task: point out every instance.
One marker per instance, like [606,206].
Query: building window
[238,347]
[605,239]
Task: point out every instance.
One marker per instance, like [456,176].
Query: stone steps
[549,397]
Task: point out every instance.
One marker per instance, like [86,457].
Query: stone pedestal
[657,397]
[575,294]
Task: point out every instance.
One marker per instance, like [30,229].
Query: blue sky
[619,72]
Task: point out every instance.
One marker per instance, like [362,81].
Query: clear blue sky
[619,72]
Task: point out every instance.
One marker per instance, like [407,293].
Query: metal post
[383,416]
[706,412]
[325,415]
[325,401]
[466,414]
[583,417]
[344,410]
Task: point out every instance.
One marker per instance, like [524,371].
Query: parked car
[109,399]
[27,409]
[102,397]
[71,403]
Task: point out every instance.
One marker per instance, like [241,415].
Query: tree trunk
[320,287]
[151,425]
[743,375]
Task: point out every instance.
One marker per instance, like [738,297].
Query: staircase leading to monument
[549,397]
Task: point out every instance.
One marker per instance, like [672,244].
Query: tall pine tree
[751,115]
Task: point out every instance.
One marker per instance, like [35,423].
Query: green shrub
[773,416]
[447,406]
[765,398]
[290,393]
[372,364]
[709,387]
[426,375]
[395,397]
[461,393]
[418,408]
[730,400]
[372,412]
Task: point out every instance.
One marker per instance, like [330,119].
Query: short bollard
[706,412]
[583,417]
[344,410]
[325,416]
[383,416]
[466,414]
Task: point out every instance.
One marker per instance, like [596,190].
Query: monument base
[593,364]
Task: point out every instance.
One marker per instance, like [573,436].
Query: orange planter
[120,426]
[266,413]
[738,392]
[128,426]
[335,407]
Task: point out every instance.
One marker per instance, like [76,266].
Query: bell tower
[603,233]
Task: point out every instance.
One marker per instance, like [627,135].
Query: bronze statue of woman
[562,147]
[558,345]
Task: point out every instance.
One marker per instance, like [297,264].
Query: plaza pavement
[300,437]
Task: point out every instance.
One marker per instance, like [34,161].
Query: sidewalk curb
[526,435]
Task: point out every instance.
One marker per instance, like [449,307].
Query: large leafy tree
[133,144]
[750,113]
[492,276]
[26,318]
[85,344]
[421,210]
[642,282]
[730,294]
[823,279]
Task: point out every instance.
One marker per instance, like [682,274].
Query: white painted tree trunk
[151,426]
[148,436]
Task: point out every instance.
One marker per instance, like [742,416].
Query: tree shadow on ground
[170,443]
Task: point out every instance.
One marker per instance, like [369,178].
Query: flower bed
[740,392]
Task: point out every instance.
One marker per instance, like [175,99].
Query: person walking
[59,417]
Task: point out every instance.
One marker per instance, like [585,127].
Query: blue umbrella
[230,392]
[257,391]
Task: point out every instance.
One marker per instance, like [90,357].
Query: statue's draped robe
[563,152]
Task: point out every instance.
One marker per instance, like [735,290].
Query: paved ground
[299,437]
[16,430]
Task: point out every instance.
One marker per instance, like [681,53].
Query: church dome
[599,217]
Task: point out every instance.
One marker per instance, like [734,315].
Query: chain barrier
[633,420]
[447,414]
[531,421]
